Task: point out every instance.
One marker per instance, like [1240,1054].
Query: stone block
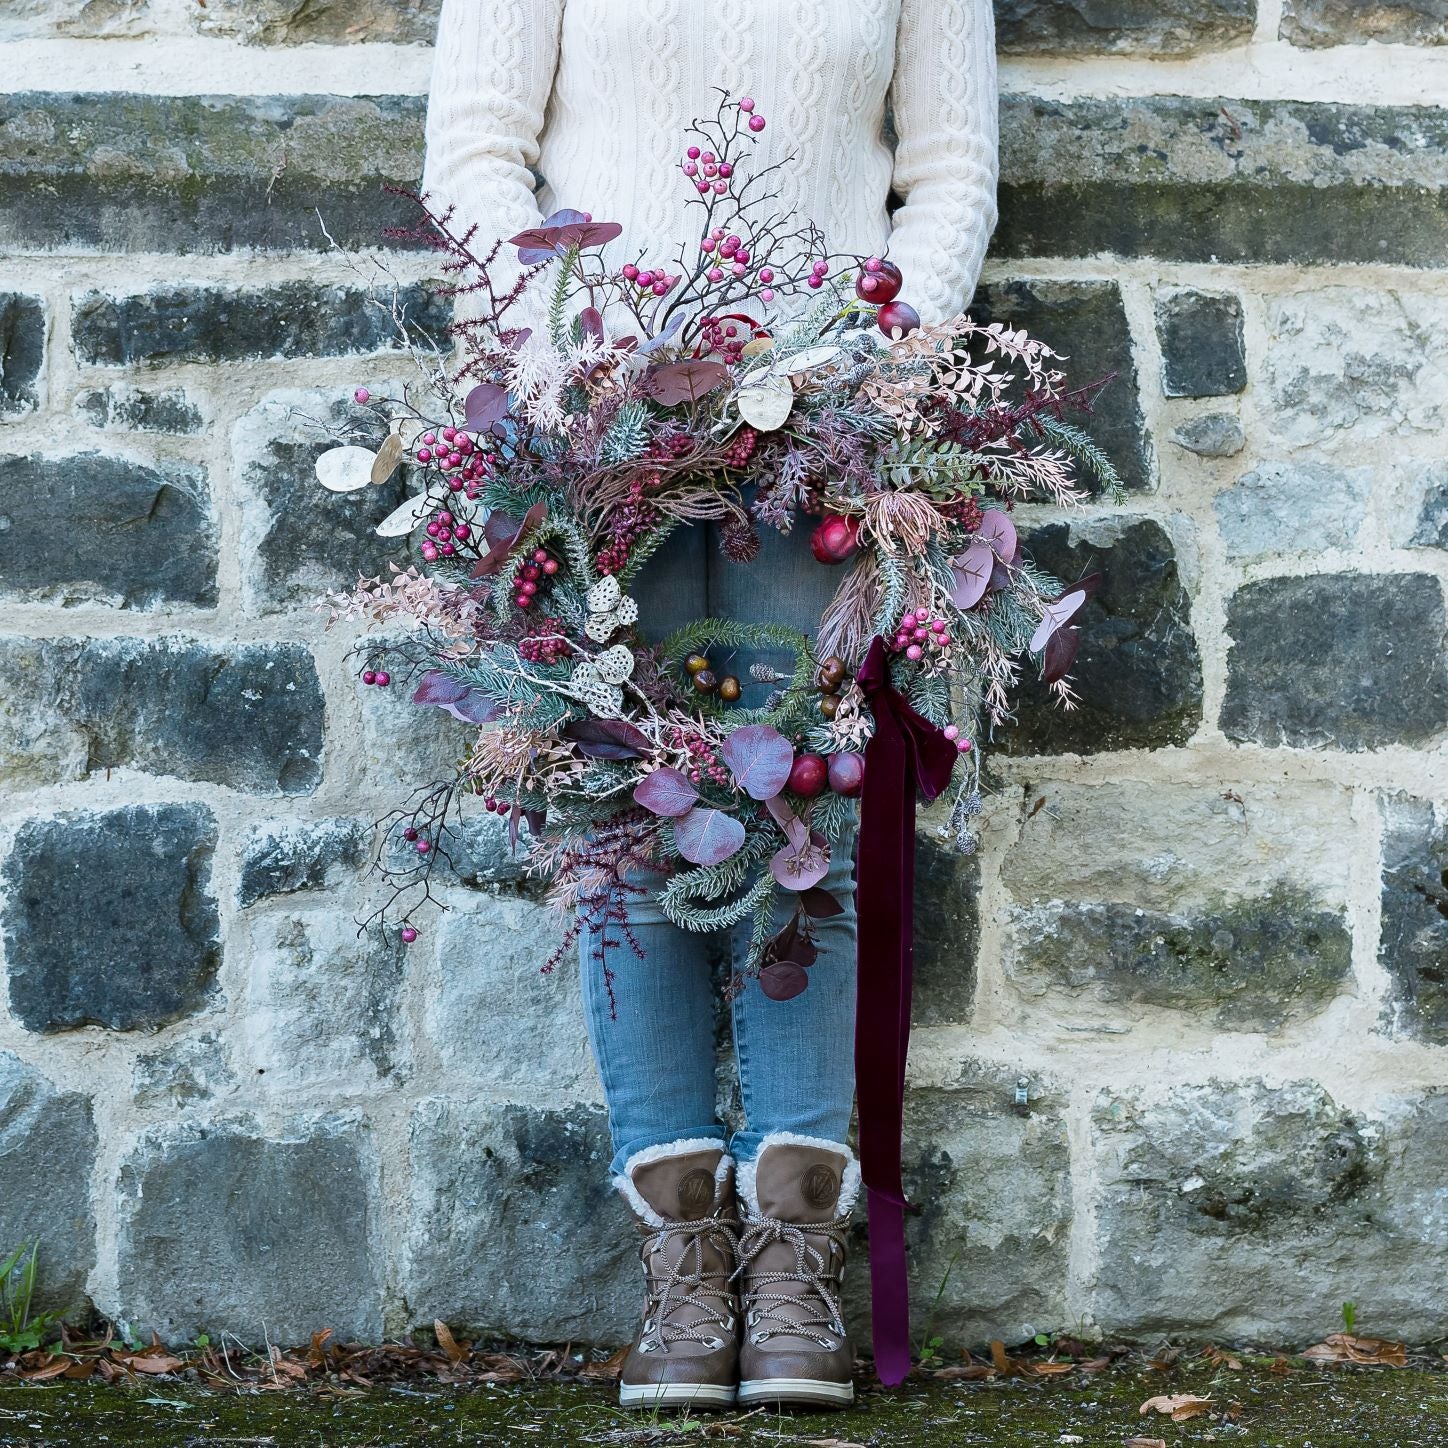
[322,1003]
[285,856]
[1348,366]
[299,540]
[1212,435]
[1203,353]
[121,408]
[1317,23]
[515,1231]
[320,22]
[190,323]
[1336,660]
[486,992]
[109,918]
[22,353]
[947,931]
[971,1159]
[131,172]
[47,1155]
[1428,516]
[1246,1211]
[475,852]
[1086,323]
[30,19]
[266,1233]
[1413,945]
[179,1075]
[1138,672]
[1200,179]
[247,716]
[1121,27]
[1127,897]
[1293,507]
[96,529]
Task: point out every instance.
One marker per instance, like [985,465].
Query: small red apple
[835,539]
[847,774]
[880,284]
[808,776]
[898,317]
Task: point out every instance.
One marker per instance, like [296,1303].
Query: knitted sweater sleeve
[492,76]
[945,104]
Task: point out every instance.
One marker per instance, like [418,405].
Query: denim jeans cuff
[713,1133]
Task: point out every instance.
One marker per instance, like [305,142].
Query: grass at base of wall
[1253,1408]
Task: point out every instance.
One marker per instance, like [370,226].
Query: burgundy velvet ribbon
[907,753]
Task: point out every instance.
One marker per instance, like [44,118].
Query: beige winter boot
[687,1351]
[797,1196]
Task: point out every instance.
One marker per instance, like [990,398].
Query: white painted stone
[1285,508]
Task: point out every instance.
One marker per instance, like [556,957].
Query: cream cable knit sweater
[595,95]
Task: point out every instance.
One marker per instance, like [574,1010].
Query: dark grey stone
[1336,660]
[204,173]
[1316,23]
[515,1231]
[266,1234]
[109,919]
[320,22]
[1086,323]
[22,352]
[980,1267]
[1203,179]
[132,409]
[1245,965]
[235,324]
[1212,1197]
[947,931]
[1212,435]
[1203,353]
[1133,27]
[1413,945]
[47,1154]
[105,529]
[1138,672]
[306,540]
[248,716]
[282,857]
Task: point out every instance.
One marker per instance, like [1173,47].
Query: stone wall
[1182,1057]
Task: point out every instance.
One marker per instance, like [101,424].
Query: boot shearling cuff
[623,1181]
[849,1178]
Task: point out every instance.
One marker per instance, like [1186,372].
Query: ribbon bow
[907,753]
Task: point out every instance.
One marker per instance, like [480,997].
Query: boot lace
[776,1314]
[688,1282]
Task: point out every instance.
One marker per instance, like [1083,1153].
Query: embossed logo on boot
[696,1194]
[820,1187]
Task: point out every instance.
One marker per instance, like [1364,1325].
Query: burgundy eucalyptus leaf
[607,738]
[514,815]
[1060,654]
[667,792]
[1056,615]
[466,704]
[503,538]
[486,404]
[804,952]
[680,382]
[1090,585]
[795,829]
[760,758]
[590,319]
[707,836]
[1000,576]
[671,330]
[537,820]
[970,575]
[783,980]
[820,904]
[562,230]
[997,529]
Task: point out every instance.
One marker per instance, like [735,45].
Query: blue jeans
[654,1042]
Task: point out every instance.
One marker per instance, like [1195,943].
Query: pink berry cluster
[704,765]
[525,582]
[670,446]
[707,171]
[545,642]
[456,455]
[417,840]
[442,531]
[655,280]
[918,635]
[628,524]
[962,746]
[725,337]
[818,271]
[380,677]
[964,511]
[741,448]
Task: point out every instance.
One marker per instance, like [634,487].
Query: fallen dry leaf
[1052,1369]
[53,1369]
[1220,1359]
[964,1373]
[607,1370]
[1341,1347]
[1179,1407]
[150,1362]
[1145,1443]
[447,1342]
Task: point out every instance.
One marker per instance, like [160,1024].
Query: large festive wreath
[754,381]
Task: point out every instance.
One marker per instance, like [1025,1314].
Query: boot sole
[797,1390]
[676,1395]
